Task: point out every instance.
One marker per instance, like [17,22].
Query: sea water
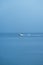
[21,50]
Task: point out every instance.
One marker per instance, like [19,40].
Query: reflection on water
[21,51]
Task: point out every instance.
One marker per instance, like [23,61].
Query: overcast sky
[21,15]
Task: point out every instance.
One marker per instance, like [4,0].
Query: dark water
[21,50]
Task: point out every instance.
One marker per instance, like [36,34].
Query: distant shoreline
[21,34]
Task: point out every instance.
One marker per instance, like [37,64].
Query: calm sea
[16,50]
